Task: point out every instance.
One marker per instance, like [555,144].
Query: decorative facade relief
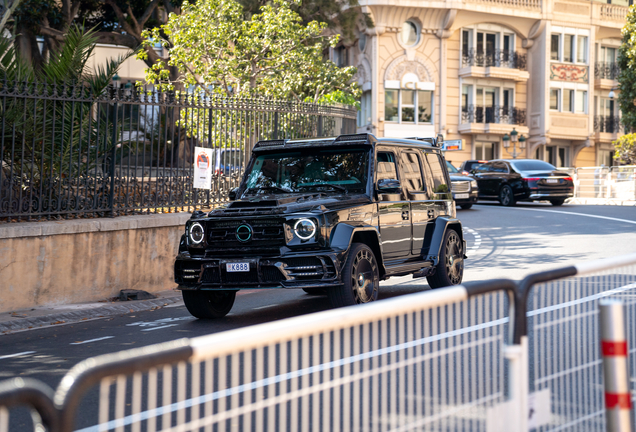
[401,66]
[569,73]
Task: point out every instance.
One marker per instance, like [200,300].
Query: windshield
[311,169]
[451,168]
[533,165]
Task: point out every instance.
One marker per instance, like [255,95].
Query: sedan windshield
[533,165]
[331,170]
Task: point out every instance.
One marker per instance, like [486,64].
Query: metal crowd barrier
[617,182]
[486,357]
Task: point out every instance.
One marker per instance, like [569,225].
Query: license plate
[552,180]
[461,196]
[237,267]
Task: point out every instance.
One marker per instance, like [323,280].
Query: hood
[292,203]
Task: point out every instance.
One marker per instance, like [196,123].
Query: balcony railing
[603,70]
[608,124]
[495,114]
[494,58]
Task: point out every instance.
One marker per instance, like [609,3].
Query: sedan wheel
[506,197]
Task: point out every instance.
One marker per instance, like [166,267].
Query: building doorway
[485,150]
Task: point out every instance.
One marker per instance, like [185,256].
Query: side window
[412,177]
[484,168]
[386,168]
[499,167]
[433,164]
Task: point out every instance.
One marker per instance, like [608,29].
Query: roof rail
[271,143]
[434,141]
[361,137]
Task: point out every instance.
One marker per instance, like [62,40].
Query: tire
[466,206]
[506,196]
[208,304]
[450,268]
[557,202]
[360,277]
[315,291]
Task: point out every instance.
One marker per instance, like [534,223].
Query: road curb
[85,314]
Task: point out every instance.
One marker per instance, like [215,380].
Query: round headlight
[305,229]
[196,233]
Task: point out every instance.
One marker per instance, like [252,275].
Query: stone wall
[48,263]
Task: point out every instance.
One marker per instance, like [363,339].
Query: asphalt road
[502,243]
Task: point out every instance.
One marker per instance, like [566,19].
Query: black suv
[326,215]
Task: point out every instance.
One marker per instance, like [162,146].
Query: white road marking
[477,237]
[92,340]
[157,328]
[268,306]
[578,214]
[16,354]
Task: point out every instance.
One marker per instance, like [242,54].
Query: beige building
[475,69]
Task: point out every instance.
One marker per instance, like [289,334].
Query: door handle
[405,215]
[431,214]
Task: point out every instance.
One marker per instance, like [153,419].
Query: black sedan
[515,180]
[464,188]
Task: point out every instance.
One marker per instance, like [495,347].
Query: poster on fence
[202,178]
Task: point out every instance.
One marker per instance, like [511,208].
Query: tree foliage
[627,76]
[271,53]
[625,149]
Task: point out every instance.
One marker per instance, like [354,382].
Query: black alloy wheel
[506,197]
[360,277]
[465,206]
[450,267]
[208,304]
[557,202]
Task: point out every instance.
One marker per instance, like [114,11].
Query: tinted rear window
[533,165]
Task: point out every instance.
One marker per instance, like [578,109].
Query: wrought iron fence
[608,124]
[493,114]
[67,152]
[604,70]
[494,58]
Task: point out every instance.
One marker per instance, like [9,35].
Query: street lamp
[515,138]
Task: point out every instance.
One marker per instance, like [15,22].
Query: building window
[554,99]
[391,105]
[495,47]
[581,49]
[409,34]
[362,41]
[341,56]
[607,55]
[555,47]
[364,114]
[485,150]
[568,100]
[408,106]
[569,48]
[581,101]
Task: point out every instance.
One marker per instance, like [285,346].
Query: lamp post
[515,138]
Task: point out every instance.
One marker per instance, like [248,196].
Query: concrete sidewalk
[46,316]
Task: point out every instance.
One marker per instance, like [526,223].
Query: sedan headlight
[196,233]
[305,229]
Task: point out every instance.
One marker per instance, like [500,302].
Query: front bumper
[289,271]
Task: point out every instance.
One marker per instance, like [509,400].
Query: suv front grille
[460,186]
[268,236]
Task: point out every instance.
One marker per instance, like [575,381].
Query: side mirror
[388,185]
[439,140]
[232,194]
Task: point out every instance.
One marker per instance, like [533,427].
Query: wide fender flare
[442,224]
[342,237]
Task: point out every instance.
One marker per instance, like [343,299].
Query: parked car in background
[465,189]
[467,166]
[228,162]
[509,181]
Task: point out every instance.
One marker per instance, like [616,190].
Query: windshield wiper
[273,188]
[334,186]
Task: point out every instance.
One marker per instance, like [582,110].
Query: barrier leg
[618,402]
[517,356]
